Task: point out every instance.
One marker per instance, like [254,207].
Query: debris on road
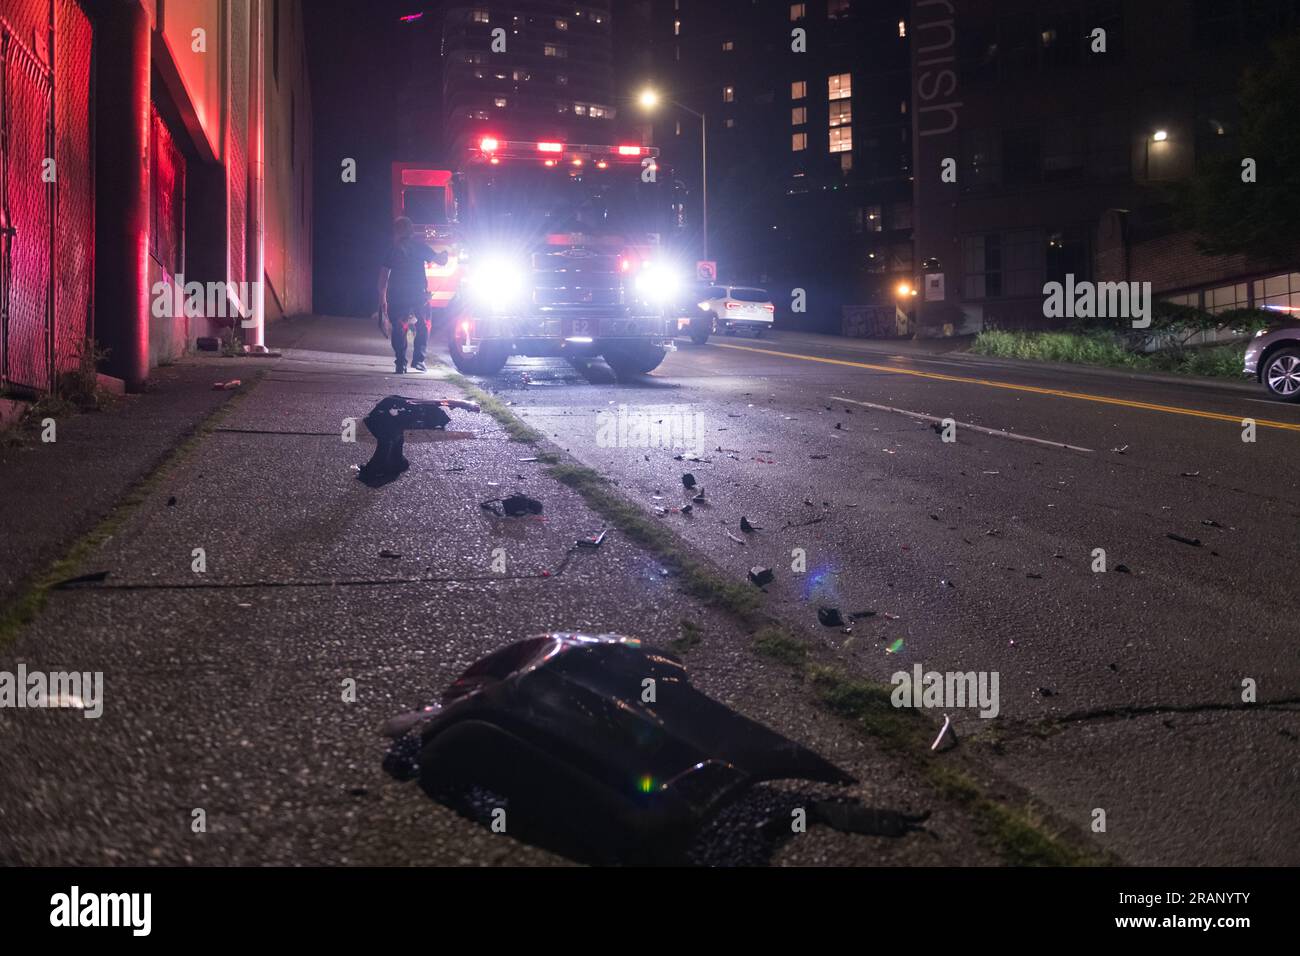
[230,386]
[761,576]
[1191,474]
[1120,450]
[388,422]
[593,542]
[518,723]
[385,553]
[515,506]
[734,538]
[952,738]
[831,617]
[746,527]
[1123,569]
[1194,542]
[688,480]
[895,647]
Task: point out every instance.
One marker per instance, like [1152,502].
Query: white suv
[728,308]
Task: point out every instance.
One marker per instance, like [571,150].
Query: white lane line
[996,433]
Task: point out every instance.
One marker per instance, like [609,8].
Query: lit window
[798,11]
[840,86]
[480,16]
[677,28]
[728,46]
[728,94]
[798,89]
[841,113]
[729,123]
[842,139]
[561,24]
[599,112]
[798,115]
[580,109]
[520,76]
[499,102]
[798,141]
[552,49]
[902,28]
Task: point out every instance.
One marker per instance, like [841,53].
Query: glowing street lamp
[649,100]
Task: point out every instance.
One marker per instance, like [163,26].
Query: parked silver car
[1273,358]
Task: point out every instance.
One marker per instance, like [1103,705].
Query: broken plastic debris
[1194,542]
[388,422]
[734,538]
[830,617]
[593,542]
[515,506]
[386,553]
[233,384]
[895,647]
[947,723]
[688,480]
[630,786]
[761,576]
[746,527]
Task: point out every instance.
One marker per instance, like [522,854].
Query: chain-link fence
[74,235]
[46,200]
[26,201]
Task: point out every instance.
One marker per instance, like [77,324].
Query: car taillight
[733,305]
[770,307]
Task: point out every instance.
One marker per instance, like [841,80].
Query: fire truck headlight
[658,282]
[498,282]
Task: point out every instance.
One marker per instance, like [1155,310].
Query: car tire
[488,360]
[1281,374]
[630,361]
[701,329]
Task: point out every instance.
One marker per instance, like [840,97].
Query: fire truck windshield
[530,201]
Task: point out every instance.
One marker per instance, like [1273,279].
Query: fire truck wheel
[635,360]
[486,361]
[701,328]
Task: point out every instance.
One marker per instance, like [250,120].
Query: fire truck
[557,249]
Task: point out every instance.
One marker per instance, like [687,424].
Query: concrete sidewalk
[224,690]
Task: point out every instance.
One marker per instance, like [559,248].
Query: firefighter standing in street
[403,292]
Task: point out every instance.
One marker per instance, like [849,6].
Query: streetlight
[650,100]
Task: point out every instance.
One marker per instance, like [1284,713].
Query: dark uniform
[408,294]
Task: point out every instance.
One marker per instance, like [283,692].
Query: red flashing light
[550,147]
[629,150]
[550,162]
[489,144]
[602,164]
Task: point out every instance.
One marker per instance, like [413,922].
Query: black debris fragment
[515,506]
[386,553]
[688,480]
[1123,569]
[853,817]
[1194,542]
[830,617]
[761,576]
[171,502]
[746,527]
[595,542]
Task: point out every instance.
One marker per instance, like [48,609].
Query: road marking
[997,433]
[1031,389]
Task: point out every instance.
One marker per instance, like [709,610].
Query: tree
[1260,218]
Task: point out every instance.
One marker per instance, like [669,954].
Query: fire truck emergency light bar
[494,149]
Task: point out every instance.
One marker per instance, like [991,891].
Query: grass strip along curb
[30,600]
[1017,830]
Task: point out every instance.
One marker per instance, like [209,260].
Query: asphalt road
[1120,691]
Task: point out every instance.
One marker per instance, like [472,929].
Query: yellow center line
[1032,389]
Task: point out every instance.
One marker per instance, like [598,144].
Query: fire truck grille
[576,277]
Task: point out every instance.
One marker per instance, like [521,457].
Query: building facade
[1065,124]
[542,69]
[805,112]
[181,137]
